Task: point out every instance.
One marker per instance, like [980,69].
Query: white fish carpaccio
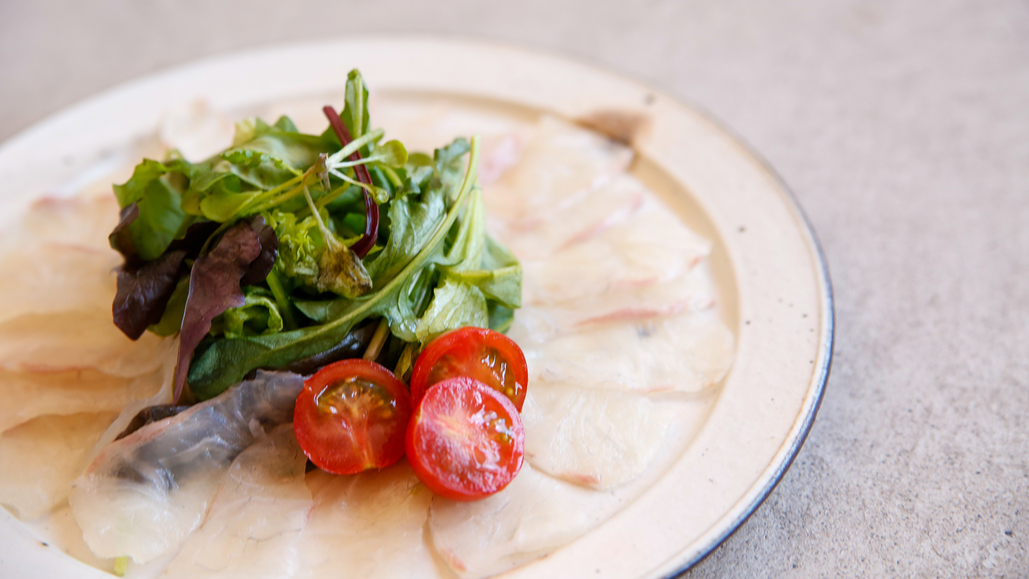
[367,525]
[31,394]
[683,353]
[532,516]
[596,438]
[57,278]
[82,221]
[560,164]
[619,305]
[86,339]
[638,250]
[144,494]
[255,521]
[40,458]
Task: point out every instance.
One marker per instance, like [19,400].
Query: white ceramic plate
[773,284]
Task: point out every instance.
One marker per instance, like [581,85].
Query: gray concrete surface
[903,128]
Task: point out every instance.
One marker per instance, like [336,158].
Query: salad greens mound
[290,250]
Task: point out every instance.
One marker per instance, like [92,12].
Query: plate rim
[791,446]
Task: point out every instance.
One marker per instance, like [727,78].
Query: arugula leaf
[356,112]
[273,157]
[412,220]
[454,305]
[252,127]
[447,163]
[461,299]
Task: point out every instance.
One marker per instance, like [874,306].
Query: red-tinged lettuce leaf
[143,292]
[121,238]
[261,266]
[144,288]
[214,286]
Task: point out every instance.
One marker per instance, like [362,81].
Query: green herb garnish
[273,251]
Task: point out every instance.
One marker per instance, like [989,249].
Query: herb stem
[121,565]
[285,308]
[378,339]
[270,203]
[249,207]
[353,147]
[406,361]
[392,176]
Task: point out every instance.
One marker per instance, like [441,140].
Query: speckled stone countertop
[903,129]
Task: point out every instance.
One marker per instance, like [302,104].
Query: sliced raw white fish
[691,291]
[144,494]
[79,340]
[164,394]
[40,458]
[31,394]
[685,353]
[596,438]
[369,524]
[608,205]
[57,278]
[648,248]
[531,517]
[254,525]
[538,323]
[83,221]
[560,164]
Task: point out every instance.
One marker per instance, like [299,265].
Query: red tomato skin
[361,424]
[461,352]
[434,440]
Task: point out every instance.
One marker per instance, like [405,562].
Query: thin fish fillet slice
[612,203]
[532,516]
[600,439]
[254,525]
[79,340]
[648,247]
[691,292]
[144,494]
[82,220]
[40,458]
[369,524]
[31,394]
[561,163]
[57,278]
[683,353]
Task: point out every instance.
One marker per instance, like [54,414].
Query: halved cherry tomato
[351,416]
[465,440]
[490,357]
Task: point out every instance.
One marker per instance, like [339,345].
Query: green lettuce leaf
[157,189]
[257,316]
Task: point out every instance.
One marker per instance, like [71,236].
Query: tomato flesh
[487,356]
[465,440]
[351,416]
